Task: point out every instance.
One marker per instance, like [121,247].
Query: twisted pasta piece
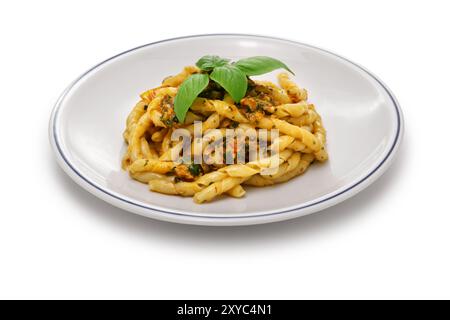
[263,181]
[320,133]
[152,165]
[212,122]
[306,119]
[277,94]
[151,94]
[295,93]
[148,151]
[303,135]
[236,192]
[145,177]
[158,136]
[291,109]
[217,188]
[187,189]
[299,147]
[175,81]
[134,117]
[291,164]
[223,108]
[134,147]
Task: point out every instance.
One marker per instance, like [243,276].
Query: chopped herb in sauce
[195,169]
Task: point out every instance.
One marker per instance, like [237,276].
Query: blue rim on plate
[389,155]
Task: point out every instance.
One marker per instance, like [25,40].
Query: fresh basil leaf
[187,92]
[207,63]
[232,80]
[254,66]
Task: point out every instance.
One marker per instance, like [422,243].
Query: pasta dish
[217,144]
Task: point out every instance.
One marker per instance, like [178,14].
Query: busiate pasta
[151,123]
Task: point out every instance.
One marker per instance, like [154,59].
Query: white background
[57,241]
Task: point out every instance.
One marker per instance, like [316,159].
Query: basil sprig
[232,77]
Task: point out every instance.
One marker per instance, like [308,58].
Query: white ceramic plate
[363,120]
